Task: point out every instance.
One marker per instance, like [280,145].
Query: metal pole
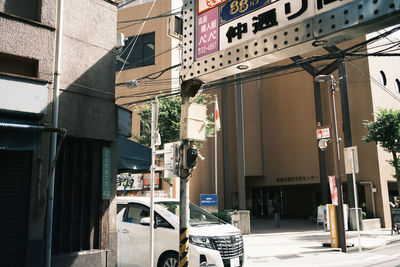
[53,140]
[240,144]
[184,208]
[216,146]
[340,221]
[153,146]
[355,198]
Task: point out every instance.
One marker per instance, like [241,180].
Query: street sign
[261,32]
[348,158]
[323,133]
[208,200]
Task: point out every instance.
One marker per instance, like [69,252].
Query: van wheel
[171,259]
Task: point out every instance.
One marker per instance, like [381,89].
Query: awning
[132,156]
[15,136]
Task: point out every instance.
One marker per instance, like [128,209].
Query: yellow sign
[333,226]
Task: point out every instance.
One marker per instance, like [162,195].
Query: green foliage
[168,119]
[385,131]
[222,215]
[366,214]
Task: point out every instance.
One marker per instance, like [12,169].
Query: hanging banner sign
[204,5]
[233,9]
[333,188]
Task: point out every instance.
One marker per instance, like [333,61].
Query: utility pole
[336,161]
[188,89]
[154,133]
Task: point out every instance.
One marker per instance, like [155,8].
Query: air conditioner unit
[175,27]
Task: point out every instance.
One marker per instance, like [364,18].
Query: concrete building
[84,228]
[280,156]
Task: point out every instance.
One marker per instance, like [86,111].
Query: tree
[168,119]
[385,131]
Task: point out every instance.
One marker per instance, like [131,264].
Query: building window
[22,8]
[18,65]
[382,77]
[397,84]
[142,53]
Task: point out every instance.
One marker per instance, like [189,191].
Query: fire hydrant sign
[204,5]
[323,133]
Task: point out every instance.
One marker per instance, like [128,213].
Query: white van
[212,242]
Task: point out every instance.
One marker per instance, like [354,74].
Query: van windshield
[198,216]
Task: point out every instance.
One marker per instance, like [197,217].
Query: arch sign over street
[226,37]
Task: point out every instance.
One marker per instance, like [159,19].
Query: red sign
[147,180]
[323,133]
[333,188]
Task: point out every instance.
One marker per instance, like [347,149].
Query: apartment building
[83,221]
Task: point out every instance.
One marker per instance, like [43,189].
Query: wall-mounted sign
[235,8]
[207,33]
[263,21]
[132,181]
[208,200]
[106,172]
[323,133]
[204,5]
[261,32]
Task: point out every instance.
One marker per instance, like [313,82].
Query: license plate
[235,262]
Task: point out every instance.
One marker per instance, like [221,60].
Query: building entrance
[297,201]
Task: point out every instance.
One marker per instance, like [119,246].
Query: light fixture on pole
[335,139]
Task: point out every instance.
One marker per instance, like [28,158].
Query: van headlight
[201,241]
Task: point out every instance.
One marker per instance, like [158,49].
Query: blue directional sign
[233,9]
[208,200]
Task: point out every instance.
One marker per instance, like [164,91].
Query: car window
[161,222]
[135,212]
[120,207]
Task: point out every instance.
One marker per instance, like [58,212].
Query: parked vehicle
[212,242]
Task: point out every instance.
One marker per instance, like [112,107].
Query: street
[287,247]
[385,256]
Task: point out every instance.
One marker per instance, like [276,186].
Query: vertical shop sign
[106,172]
[333,188]
[207,33]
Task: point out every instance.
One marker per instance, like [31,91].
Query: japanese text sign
[147,180]
[323,133]
[333,189]
[234,8]
[204,5]
[207,33]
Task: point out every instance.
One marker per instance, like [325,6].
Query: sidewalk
[296,237]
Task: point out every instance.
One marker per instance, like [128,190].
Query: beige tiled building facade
[280,153]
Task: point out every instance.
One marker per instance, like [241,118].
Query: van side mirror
[145,221]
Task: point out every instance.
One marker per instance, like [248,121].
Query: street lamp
[340,220]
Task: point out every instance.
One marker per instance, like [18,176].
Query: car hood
[213,230]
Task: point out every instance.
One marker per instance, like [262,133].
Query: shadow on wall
[81,215]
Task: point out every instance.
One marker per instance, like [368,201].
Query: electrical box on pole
[193,121]
[171,159]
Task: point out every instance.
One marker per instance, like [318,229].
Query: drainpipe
[373,190]
[53,141]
